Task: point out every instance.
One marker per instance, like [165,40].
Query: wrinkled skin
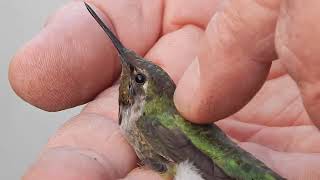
[230,46]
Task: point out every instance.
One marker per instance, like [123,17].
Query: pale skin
[230,46]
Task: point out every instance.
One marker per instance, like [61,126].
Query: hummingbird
[165,141]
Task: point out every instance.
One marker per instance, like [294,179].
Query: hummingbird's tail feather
[118,45]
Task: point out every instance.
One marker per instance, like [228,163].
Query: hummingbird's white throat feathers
[130,115]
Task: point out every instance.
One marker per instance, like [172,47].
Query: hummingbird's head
[141,80]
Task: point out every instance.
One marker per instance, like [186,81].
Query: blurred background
[24,130]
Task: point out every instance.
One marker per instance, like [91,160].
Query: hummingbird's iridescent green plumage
[162,138]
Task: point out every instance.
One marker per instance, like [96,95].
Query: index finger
[233,63]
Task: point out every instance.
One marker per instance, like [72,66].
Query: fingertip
[186,91]
[58,68]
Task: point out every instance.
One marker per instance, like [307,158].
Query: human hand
[71,61]
[277,125]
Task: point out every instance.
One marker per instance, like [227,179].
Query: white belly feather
[186,171]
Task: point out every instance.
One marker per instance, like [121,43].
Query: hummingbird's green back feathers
[173,145]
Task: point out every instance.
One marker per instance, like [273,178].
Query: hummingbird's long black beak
[117,44]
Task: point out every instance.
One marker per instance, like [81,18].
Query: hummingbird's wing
[206,146]
[173,144]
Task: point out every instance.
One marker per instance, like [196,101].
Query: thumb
[233,62]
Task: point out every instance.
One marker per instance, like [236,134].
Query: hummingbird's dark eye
[140,78]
